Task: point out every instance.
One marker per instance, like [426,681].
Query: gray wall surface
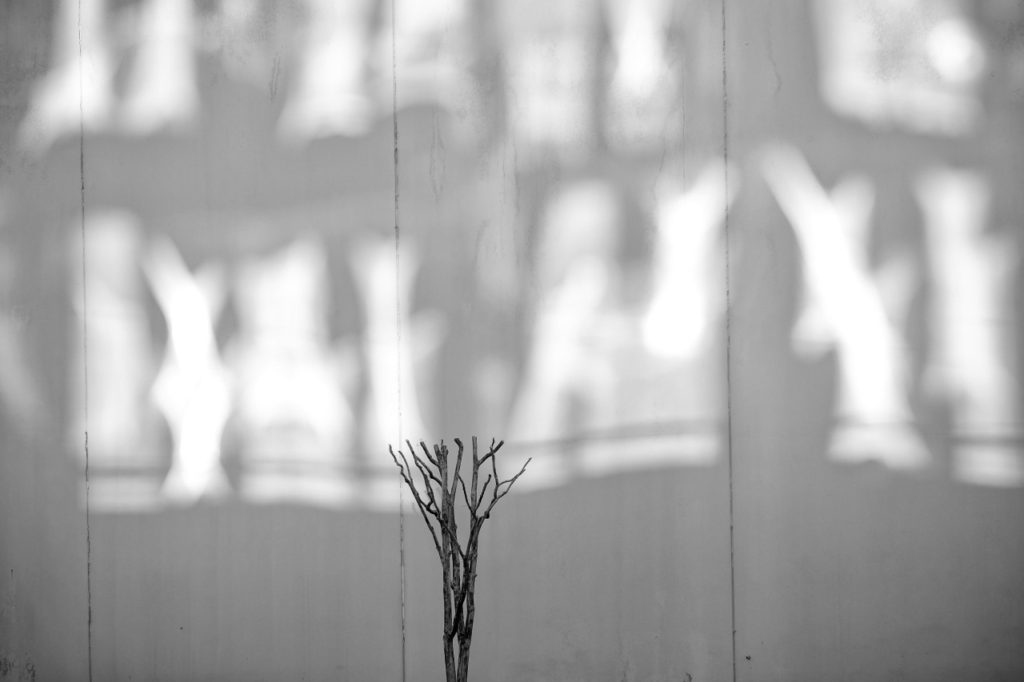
[743,278]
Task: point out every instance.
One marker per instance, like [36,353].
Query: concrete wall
[719,497]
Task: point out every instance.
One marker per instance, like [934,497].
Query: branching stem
[436,493]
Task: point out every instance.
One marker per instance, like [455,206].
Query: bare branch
[476,475]
[441,454]
[432,506]
[426,451]
[425,471]
[423,507]
[458,465]
[497,480]
[509,483]
[483,490]
[493,451]
[465,495]
[433,533]
[452,537]
[515,478]
[405,471]
[419,461]
[437,499]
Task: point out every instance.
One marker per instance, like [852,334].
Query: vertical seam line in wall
[398,328]
[728,338]
[85,345]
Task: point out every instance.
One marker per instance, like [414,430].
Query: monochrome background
[743,278]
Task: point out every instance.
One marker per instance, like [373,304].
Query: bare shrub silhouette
[436,492]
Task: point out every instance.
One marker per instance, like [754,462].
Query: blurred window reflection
[975,361]
[908,63]
[843,307]
[255,332]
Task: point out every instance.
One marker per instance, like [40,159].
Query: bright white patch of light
[162,91]
[687,262]
[330,96]
[193,387]
[78,91]
[973,358]
[955,51]
[873,416]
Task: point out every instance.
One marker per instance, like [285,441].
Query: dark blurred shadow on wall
[42,550]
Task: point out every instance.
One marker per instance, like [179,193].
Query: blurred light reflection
[975,358]
[562,186]
[907,63]
[873,416]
